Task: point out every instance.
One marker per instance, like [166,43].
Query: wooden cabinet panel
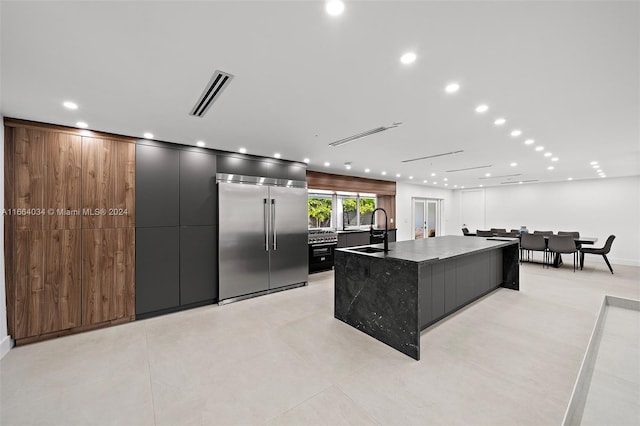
[108,274]
[108,183]
[29,176]
[47,281]
[62,153]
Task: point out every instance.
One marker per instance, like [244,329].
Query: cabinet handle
[273,224]
[265,213]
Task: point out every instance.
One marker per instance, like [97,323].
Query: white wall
[595,208]
[5,340]
[404,221]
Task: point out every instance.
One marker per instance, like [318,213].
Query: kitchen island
[394,295]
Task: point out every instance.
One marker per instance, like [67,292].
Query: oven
[322,244]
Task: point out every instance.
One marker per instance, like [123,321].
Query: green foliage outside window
[319,212]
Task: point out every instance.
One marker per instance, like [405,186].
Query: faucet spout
[377,233]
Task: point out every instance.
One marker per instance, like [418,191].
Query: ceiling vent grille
[363,134]
[219,81]
[433,156]
[468,168]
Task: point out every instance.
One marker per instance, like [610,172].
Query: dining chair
[496,230]
[574,234]
[563,244]
[507,234]
[543,232]
[480,233]
[465,231]
[533,242]
[603,251]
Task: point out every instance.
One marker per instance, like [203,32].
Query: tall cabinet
[69,230]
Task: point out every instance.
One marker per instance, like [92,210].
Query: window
[320,207]
[340,210]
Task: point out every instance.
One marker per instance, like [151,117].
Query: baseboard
[5,346]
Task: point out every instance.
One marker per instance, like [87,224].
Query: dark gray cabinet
[157,186]
[198,192]
[198,264]
[242,166]
[359,238]
[157,269]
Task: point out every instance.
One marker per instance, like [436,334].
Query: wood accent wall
[331,182]
[70,263]
[385,190]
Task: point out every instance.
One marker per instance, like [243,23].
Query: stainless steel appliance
[322,243]
[262,235]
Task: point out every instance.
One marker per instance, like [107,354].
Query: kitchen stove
[322,243]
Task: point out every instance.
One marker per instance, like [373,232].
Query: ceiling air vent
[433,156]
[219,81]
[364,134]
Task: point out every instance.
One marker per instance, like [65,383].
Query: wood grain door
[108,274]
[108,183]
[47,281]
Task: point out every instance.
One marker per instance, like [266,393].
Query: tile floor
[282,359]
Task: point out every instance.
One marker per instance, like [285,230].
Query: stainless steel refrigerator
[262,236]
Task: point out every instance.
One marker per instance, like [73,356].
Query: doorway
[426,218]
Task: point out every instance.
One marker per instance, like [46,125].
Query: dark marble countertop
[434,249]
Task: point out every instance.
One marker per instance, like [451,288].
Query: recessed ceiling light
[452,88]
[242,150]
[550,168]
[487,174]
[462,187]
[82,124]
[499,121]
[569,178]
[334,7]
[593,163]
[548,154]
[200,143]
[367,170]
[327,164]
[446,184]
[513,164]
[306,160]
[516,133]
[445,179]
[424,181]
[529,141]
[276,155]
[148,135]
[348,166]
[433,174]
[520,183]
[408,58]
[482,108]
[539,148]
[70,105]
[555,159]
[481,186]
[410,177]
[435,183]
[596,166]
[397,174]
[455,186]
[384,173]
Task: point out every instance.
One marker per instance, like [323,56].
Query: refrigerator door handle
[265,213]
[273,224]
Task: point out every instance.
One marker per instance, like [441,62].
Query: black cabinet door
[242,166]
[297,172]
[198,193]
[157,269]
[198,264]
[157,186]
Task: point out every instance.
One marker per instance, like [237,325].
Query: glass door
[426,218]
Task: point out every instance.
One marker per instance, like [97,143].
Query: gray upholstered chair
[465,231]
[480,233]
[603,251]
[574,234]
[563,244]
[496,230]
[543,232]
[534,242]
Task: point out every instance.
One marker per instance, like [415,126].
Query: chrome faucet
[378,233]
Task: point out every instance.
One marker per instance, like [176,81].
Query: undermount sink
[368,249]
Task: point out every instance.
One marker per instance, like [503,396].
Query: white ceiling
[565,73]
